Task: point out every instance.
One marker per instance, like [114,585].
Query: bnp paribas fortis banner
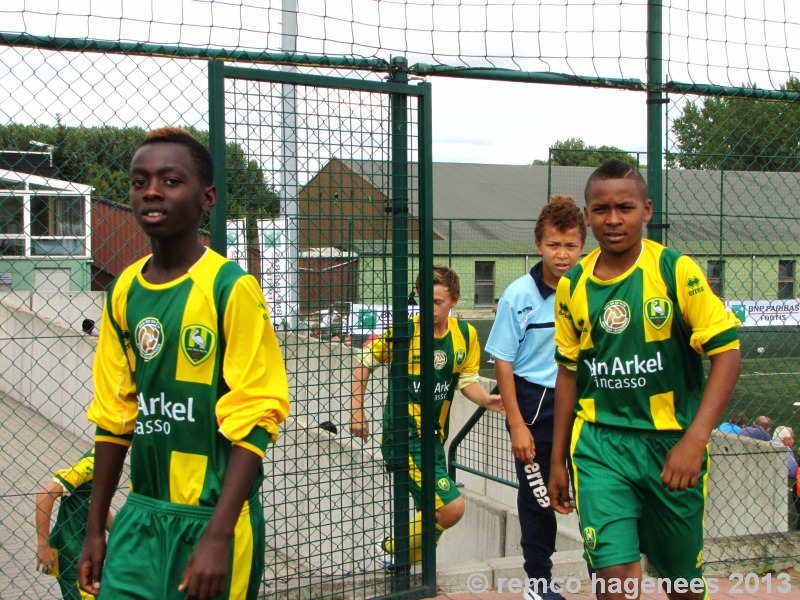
[760,313]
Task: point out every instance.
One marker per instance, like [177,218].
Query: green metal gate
[336,235]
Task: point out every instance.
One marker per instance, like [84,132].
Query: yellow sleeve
[377,352]
[76,475]
[114,407]
[568,342]
[472,364]
[254,370]
[714,330]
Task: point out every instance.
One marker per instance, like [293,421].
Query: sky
[516,123]
[726,42]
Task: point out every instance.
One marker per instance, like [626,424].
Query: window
[12,242]
[484,283]
[716,276]
[785,280]
[57,226]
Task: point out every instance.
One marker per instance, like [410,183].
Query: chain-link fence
[741,227]
[325,203]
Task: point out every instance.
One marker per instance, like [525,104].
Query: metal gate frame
[399,90]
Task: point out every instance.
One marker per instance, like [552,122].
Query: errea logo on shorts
[616,316]
[149,338]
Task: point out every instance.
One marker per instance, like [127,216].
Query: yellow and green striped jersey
[183,371]
[73,512]
[456,361]
[636,340]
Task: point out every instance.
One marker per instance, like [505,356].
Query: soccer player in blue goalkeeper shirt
[522,343]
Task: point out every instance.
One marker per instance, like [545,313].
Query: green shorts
[66,571]
[445,490]
[624,509]
[70,590]
[151,541]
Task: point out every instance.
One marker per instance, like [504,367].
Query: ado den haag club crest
[197,343]
[658,311]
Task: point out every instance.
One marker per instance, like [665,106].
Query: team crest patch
[658,311]
[590,537]
[149,338]
[616,316]
[461,356]
[197,343]
[444,484]
[439,360]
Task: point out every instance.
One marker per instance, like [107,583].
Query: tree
[739,134]
[574,152]
[99,156]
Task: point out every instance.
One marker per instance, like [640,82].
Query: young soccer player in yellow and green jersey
[58,551]
[632,321]
[188,373]
[456,363]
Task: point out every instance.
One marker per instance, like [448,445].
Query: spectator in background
[759,430]
[329,319]
[784,436]
[89,327]
[734,424]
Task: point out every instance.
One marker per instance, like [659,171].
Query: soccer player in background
[456,363]
[521,342]
[632,407]
[189,375]
[58,551]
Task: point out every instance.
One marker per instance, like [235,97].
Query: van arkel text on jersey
[171,411]
[440,391]
[620,372]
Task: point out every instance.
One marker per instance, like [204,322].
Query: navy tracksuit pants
[536,517]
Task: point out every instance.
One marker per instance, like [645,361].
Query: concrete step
[505,573]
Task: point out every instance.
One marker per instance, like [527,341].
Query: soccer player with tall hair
[189,375]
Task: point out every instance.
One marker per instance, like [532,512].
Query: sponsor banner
[272,238]
[369,319]
[236,248]
[760,313]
